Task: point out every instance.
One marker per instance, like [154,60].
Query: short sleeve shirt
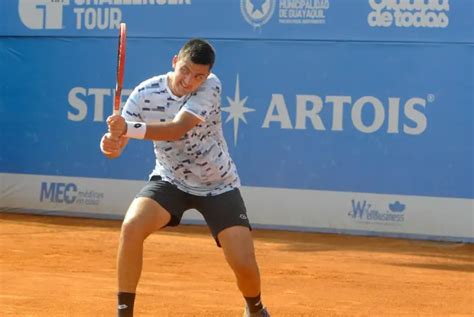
[199,163]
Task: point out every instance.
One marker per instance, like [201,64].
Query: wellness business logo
[366,212]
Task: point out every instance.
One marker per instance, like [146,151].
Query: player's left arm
[159,131]
[196,110]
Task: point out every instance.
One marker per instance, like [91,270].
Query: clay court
[57,266]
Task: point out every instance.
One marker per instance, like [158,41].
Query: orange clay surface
[56,266]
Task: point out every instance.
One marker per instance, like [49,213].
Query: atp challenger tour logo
[409,13]
[88,14]
[42,14]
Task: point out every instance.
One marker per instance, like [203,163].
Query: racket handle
[118,94]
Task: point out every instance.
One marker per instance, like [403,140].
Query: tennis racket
[120,66]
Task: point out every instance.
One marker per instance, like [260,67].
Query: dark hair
[199,51]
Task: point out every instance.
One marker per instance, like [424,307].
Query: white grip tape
[136,130]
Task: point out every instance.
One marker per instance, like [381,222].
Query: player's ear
[174,61]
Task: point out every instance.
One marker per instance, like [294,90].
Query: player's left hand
[116,125]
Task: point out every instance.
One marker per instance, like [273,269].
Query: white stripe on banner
[420,217]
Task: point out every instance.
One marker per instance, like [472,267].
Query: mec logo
[42,14]
[58,192]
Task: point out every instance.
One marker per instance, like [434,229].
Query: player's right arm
[112,145]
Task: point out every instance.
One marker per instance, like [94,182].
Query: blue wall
[334,102]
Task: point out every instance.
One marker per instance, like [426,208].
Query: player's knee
[132,231]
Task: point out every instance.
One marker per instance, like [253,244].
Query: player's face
[187,76]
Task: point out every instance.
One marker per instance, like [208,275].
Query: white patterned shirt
[199,163]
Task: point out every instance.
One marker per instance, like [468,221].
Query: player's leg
[158,204]
[143,217]
[227,218]
[239,252]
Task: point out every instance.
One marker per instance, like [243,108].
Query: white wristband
[136,130]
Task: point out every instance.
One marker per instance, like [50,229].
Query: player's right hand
[111,146]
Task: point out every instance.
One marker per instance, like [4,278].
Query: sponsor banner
[312,210]
[71,194]
[362,213]
[357,117]
[354,20]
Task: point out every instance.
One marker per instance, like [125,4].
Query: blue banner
[345,116]
[352,20]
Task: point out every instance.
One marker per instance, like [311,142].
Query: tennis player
[181,113]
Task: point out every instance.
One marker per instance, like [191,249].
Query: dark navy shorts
[220,212]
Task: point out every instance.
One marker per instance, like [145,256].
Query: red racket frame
[122,44]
